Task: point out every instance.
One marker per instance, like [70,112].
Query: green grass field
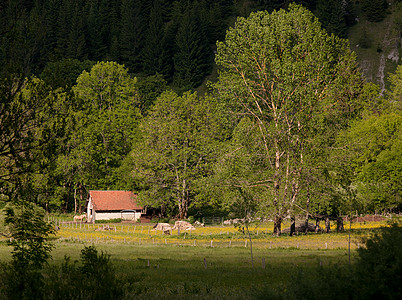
[161,266]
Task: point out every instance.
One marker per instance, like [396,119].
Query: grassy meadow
[210,262]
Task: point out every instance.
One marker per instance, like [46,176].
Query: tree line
[173,38]
[289,128]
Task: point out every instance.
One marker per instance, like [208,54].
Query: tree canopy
[287,74]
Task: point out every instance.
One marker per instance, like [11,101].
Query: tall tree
[154,56]
[106,117]
[283,70]
[375,10]
[132,33]
[372,150]
[176,148]
[193,58]
[332,16]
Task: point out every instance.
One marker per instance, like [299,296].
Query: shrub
[31,250]
[191,219]
[93,279]
[377,273]
[379,265]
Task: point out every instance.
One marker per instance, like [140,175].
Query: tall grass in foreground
[153,271]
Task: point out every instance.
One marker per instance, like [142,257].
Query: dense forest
[275,119]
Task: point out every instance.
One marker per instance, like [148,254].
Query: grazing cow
[163,226]
[183,225]
[80,218]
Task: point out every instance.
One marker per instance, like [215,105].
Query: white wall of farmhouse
[107,215]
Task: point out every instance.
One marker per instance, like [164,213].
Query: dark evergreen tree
[374,10]
[76,46]
[332,16]
[132,33]
[154,56]
[193,58]
[64,27]
[96,48]
[51,9]
[350,12]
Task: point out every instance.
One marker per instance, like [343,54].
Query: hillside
[378,45]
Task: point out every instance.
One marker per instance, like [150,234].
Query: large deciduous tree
[176,148]
[287,74]
[105,116]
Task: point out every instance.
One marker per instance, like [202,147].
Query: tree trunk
[327,225]
[277,225]
[339,224]
[307,211]
[75,201]
[317,225]
[292,226]
[81,198]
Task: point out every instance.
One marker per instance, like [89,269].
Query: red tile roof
[114,200]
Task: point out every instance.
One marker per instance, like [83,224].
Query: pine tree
[132,33]
[374,10]
[52,8]
[193,58]
[76,37]
[95,46]
[332,17]
[154,57]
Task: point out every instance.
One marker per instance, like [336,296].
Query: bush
[191,219]
[31,249]
[379,265]
[377,274]
[93,279]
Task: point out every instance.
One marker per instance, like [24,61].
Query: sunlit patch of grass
[214,236]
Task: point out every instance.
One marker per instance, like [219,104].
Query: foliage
[270,65]
[94,278]
[105,119]
[177,145]
[395,92]
[64,73]
[373,153]
[32,128]
[375,10]
[332,17]
[379,264]
[31,249]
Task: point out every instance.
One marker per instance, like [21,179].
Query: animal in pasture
[80,218]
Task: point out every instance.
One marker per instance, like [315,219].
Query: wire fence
[214,237]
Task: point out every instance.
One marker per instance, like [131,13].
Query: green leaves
[289,76]
[374,155]
[177,147]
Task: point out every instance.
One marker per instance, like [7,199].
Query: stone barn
[107,205]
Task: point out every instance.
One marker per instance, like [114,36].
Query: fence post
[205,263]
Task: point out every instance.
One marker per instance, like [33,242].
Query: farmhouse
[107,205]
